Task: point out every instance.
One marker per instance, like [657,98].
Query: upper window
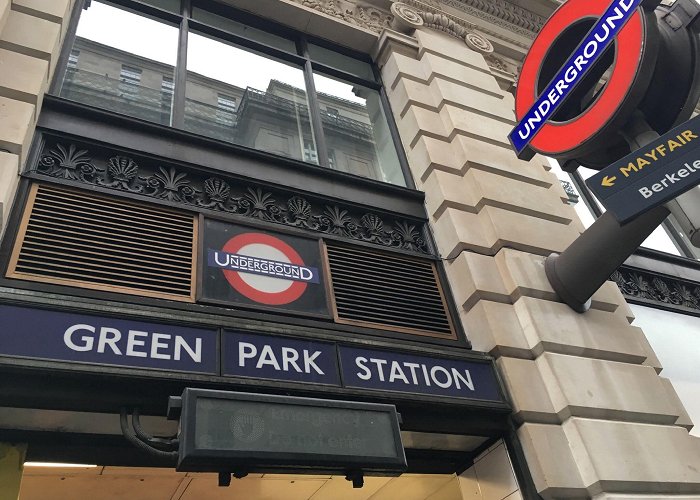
[233,82]
[73,59]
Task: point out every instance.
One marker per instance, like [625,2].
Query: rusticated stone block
[51,10]
[9,179]
[16,125]
[449,47]
[31,36]
[22,77]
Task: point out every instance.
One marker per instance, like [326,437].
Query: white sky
[158,41]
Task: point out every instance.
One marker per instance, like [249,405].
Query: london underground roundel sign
[262,269]
[559,108]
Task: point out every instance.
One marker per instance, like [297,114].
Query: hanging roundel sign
[561,109]
[265,269]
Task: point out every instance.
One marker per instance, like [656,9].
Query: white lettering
[222,264]
[412,367]
[267,357]
[593,46]
[645,192]
[458,377]
[133,342]
[156,345]
[367,374]
[433,374]
[246,351]
[290,357]
[195,355]
[397,372]
[309,362]
[570,74]
[109,337]
[380,366]
[87,341]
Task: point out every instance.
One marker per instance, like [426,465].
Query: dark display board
[248,267]
[260,432]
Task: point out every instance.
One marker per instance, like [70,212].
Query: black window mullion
[180,76]
[314,108]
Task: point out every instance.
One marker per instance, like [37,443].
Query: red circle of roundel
[554,138]
[291,294]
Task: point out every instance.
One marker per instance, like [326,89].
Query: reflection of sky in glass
[336,88]
[235,66]
[129,32]
[158,41]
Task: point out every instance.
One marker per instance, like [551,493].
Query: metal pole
[588,262]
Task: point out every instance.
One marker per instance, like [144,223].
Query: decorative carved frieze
[195,189]
[508,17]
[359,13]
[662,289]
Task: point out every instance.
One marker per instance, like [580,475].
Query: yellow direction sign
[652,175]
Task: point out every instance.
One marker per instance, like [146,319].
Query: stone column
[594,417]
[31,32]
[11,465]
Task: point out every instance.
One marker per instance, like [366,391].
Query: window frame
[301,58]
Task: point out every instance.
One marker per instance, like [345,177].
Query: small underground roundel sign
[262,269]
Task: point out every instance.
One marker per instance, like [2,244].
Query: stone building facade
[591,414]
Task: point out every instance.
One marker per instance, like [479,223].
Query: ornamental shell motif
[372,223]
[299,208]
[122,168]
[217,189]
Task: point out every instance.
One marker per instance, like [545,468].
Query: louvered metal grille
[91,241]
[387,291]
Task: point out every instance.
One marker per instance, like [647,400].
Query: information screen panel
[260,432]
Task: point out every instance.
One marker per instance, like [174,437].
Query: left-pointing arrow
[608,181]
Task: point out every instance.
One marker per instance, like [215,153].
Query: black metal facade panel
[390,290]
[93,166]
[87,240]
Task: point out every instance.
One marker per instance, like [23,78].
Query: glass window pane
[341,62]
[250,100]
[243,30]
[126,74]
[356,131]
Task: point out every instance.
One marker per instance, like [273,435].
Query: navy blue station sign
[652,175]
[62,336]
[278,358]
[94,340]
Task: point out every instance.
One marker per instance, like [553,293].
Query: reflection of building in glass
[274,119]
